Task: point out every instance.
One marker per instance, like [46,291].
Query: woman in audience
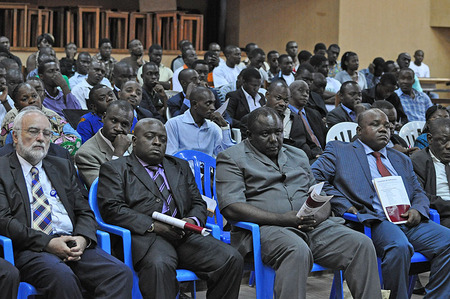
[350,65]
[24,95]
[45,40]
[434,112]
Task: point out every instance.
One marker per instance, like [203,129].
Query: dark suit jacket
[298,136]
[317,125]
[127,197]
[15,214]
[238,106]
[316,102]
[345,170]
[144,113]
[338,115]
[147,104]
[426,173]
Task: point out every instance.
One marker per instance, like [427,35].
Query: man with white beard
[50,223]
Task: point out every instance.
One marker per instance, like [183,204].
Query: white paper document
[314,201]
[393,197]
[223,108]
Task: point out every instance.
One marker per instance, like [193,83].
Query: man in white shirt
[420,69]
[228,72]
[189,56]
[96,75]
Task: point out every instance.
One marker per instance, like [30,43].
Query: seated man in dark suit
[9,279]
[133,187]
[50,223]
[311,117]
[348,109]
[432,167]
[295,133]
[385,91]
[132,93]
[109,143]
[247,98]
[305,72]
[263,181]
[347,169]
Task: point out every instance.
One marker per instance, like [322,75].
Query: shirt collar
[26,166]
[434,158]
[247,95]
[369,151]
[348,110]
[188,119]
[293,109]
[109,143]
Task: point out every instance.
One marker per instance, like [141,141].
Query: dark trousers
[210,259]
[100,274]
[9,280]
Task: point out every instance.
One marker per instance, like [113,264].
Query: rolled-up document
[314,201]
[181,224]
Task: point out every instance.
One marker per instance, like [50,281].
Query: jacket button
[158,200]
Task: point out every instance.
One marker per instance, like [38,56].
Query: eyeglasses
[34,132]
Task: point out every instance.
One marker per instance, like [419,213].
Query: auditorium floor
[318,288]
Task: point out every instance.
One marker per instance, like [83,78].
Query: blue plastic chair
[26,289]
[208,164]
[265,275]
[182,274]
[416,258]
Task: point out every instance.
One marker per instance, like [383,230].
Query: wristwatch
[152,228]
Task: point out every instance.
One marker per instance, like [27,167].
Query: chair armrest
[104,241]
[350,217]
[354,218]
[256,238]
[215,230]
[125,234]
[434,216]
[8,253]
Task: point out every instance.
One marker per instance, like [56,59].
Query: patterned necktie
[308,129]
[381,168]
[42,210]
[166,194]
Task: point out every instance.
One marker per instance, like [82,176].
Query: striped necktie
[42,210]
[163,189]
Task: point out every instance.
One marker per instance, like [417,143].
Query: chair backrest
[236,135]
[93,201]
[205,177]
[342,131]
[410,131]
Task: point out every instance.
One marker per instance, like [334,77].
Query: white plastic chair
[342,131]
[410,131]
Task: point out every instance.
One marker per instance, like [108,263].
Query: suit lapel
[103,146]
[362,157]
[19,180]
[55,178]
[243,100]
[173,174]
[142,175]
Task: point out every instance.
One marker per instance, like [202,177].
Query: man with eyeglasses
[50,223]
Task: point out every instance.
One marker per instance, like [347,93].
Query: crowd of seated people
[65,123]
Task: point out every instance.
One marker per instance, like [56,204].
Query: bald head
[150,141]
[187,76]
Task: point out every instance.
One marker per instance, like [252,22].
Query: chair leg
[412,282]
[251,280]
[337,288]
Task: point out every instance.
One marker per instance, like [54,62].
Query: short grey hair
[25,111]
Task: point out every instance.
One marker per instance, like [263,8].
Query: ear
[15,137]
[429,138]
[358,130]
[103,117]
[249,135]
[133,140]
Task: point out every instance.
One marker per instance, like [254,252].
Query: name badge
[53,193]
